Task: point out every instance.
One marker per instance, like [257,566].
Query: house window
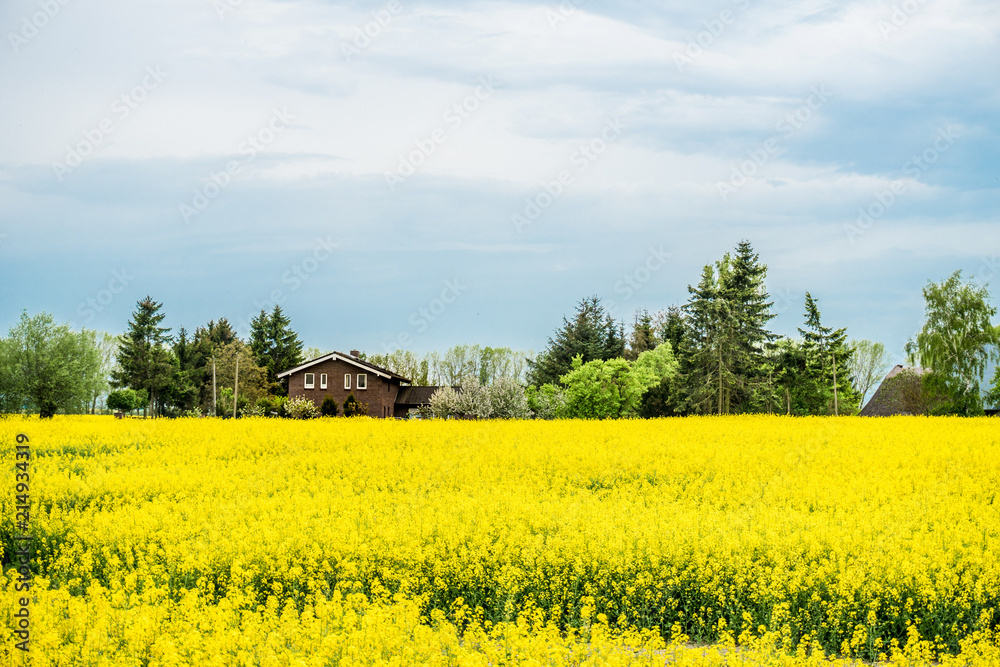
[322,381]
[362,381]
[310,380]
[347,381]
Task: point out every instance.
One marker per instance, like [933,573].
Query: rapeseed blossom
[710,541]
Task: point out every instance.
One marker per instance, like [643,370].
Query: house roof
[880,405]
[340,356]
[415,396]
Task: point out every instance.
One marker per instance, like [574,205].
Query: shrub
[272,404]
[473,399]
[354,408]
[444,403]
[508,400]
[330,408]
[251,411]
[546,402]
[301,408]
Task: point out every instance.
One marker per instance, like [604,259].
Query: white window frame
[362,381]
[347,380]
[309,381]
[322,381]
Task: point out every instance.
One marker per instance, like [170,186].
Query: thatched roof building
[901,393]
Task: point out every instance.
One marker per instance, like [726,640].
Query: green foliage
[330,407]
[658,363]
[143,360]
[824,385]
[546,402]
[711,345]
[272,406]
[957,341]
[354,408]
[663,400]
[992,398]
[48,367]
[724,347]
[591,335]
[606,389]
[643,336]
[124,400]
[275,347]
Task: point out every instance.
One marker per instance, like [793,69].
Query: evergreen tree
[671,328]
[710,360]
[274,345]
[825,383]
[751,312]
[591,335]
[143,360]
[643,336]
[182,392]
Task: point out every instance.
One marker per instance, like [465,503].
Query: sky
[417,175]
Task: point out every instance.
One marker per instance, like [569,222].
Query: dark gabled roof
[416,395]
[334,356]
[881,404]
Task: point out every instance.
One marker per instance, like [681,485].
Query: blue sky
[422,174]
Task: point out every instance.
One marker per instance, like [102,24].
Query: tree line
[715,354]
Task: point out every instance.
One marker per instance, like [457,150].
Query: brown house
[339,375]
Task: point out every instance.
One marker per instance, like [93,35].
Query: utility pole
[214,399]
[236,385]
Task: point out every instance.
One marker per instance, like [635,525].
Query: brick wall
[380,394]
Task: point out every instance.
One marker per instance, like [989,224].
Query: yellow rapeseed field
[699,541]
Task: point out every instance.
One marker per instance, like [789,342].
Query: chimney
[355,354]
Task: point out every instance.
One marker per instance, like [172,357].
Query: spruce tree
[143,360]
[708,360]
[275,346]
[825,386]
[751,311]
[592,334]
[643,335]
